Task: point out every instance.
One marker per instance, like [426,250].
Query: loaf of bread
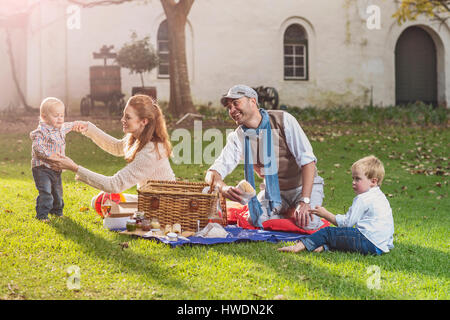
[245,187]
[248,191]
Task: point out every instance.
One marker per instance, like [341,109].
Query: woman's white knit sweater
[147,164]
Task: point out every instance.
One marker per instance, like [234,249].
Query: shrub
[139,56]
[411,114]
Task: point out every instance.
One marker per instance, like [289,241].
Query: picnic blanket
[236,235]
[240,230]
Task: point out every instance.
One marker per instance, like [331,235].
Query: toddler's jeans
[50,199]
[340,239]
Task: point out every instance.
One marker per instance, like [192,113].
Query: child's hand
[319,211]
[80,126]
[324,213]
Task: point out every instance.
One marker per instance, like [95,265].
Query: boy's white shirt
[371,214]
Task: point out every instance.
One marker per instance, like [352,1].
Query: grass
[35,256]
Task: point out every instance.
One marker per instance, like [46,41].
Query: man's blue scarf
[272,190]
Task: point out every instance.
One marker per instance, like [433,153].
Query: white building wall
[9,95]
[235,41]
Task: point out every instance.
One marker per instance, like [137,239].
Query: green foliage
[411,9]
[139,55]
[414,113]
[210,113]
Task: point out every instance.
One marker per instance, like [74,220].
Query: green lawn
[35,257]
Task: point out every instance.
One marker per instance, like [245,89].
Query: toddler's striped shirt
[48,140]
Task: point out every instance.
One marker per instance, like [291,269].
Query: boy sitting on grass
[49,140]
[370,213]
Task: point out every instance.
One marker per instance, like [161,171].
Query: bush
[412,114]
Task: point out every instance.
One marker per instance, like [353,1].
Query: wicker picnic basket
[181,202]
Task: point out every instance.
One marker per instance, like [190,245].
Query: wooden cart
[105,86]
[268,97]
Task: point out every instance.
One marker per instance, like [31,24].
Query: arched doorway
[415,67]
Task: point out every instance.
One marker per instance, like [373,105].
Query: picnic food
[176,228]
[187,234]
[245,186]
[172,236]
[131,225]
[139,216]
[248,191]
[146,225]
[168,229]
[155,223]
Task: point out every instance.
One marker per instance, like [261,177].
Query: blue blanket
[236,234]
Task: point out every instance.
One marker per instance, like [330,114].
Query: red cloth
[239,216]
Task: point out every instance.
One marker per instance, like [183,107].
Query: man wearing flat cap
[273,145]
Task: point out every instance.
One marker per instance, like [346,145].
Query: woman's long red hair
[155,131]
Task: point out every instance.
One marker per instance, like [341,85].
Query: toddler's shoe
[57,215]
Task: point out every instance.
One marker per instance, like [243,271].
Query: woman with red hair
[146,147]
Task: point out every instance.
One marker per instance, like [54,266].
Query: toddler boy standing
[49,140]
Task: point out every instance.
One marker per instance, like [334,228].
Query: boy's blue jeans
[50,199]
[340,239]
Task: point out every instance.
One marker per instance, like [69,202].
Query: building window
[163,50]
[295,53]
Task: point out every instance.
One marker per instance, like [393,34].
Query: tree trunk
[180,91]
[142,79]
[27,107]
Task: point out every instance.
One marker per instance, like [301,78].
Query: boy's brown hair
[372,167]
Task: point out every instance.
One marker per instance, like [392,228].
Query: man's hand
[214,179]
[211,178]
[302,214]
[232,193]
